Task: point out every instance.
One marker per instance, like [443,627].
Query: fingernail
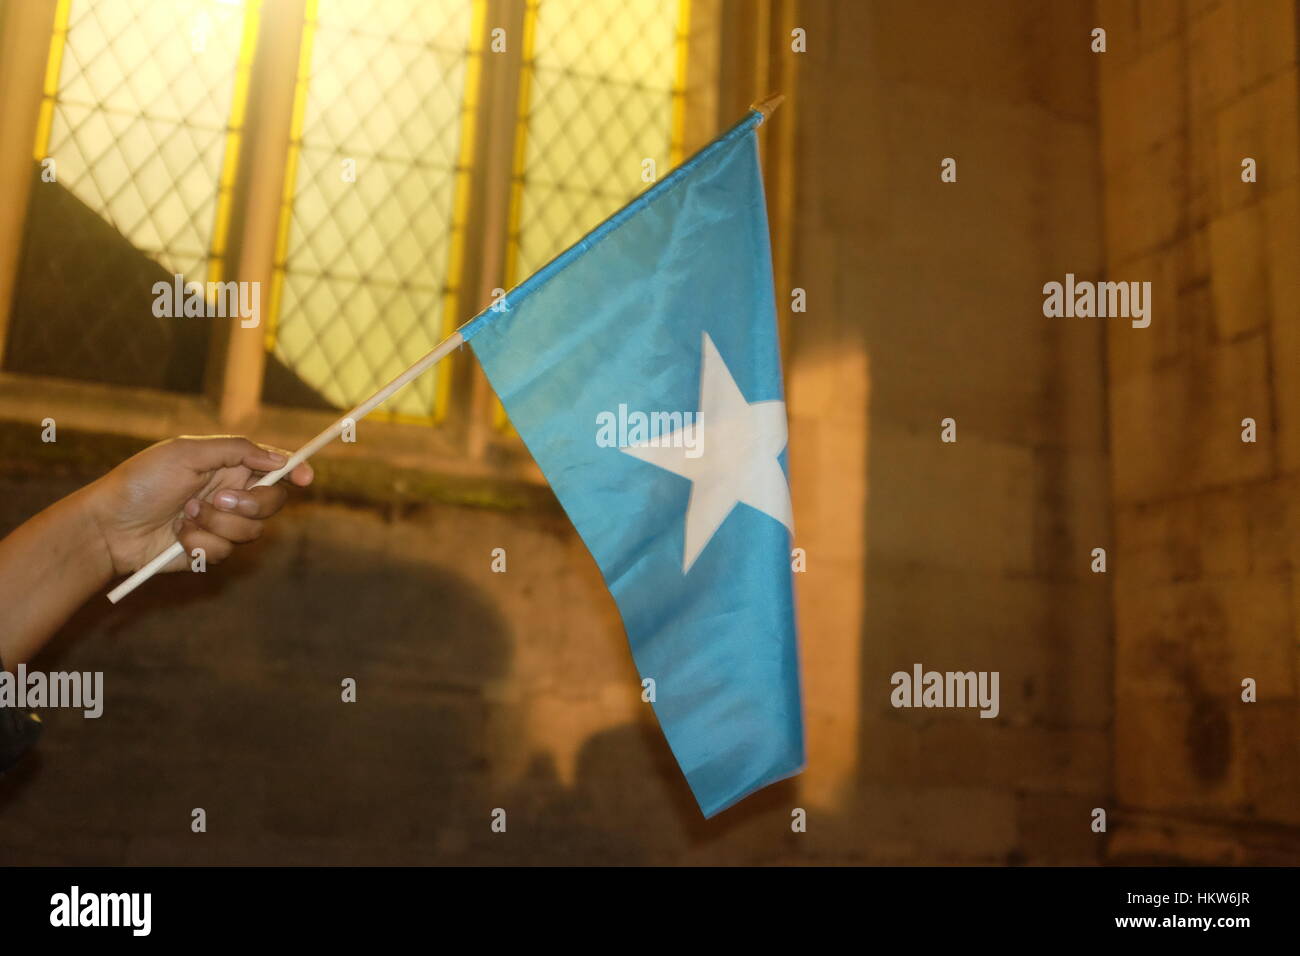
[227,500]
[277,457]
[192,508]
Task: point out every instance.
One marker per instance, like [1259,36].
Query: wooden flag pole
[768,105]
[765,107]
[443,349]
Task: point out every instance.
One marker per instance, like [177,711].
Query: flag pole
[765,108]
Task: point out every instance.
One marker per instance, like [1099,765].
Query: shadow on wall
[223,691]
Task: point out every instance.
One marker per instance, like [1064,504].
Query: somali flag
[641,368]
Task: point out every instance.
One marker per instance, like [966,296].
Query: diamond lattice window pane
[601,85]
[365,269]
[139,122]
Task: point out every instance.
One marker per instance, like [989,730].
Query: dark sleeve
[18,731]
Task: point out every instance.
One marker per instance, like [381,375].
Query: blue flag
[641,368]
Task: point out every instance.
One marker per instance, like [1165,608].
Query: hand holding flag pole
[444,348]
[764,108]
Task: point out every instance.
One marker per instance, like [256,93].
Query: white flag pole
[764,108]
[444,348]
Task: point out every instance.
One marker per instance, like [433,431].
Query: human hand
[191,489]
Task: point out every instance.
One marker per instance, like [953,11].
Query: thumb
[225,451]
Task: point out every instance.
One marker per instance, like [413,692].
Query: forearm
[190,489]
[49,566]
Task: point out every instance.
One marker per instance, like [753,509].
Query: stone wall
[1205,524]
[924,304]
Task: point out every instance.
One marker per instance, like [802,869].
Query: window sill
[390,465]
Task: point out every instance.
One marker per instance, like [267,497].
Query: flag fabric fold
[641,368]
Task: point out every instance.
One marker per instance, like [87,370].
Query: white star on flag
[741,442]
